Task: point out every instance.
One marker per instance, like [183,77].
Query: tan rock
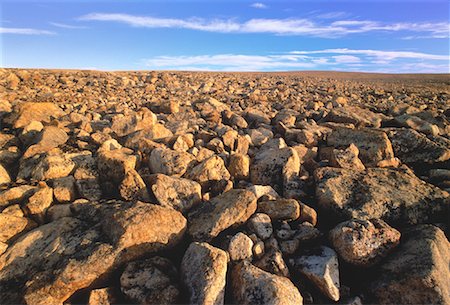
[364,242]
[16,194]
[178,193]
[240,247]
[4,176]
[53,167]
[12,226]
[261,225]
[280,209]
[347,158]
[252,285]
[229,209]
[354,115]
[64,189]
[50,137]
[239,166]
[129,123]
[418,272]
[133,188]
[39,202]
[24,113]
[169,162]
[211,169]
[103,296]
[203,273]
[114,164]
[394,195]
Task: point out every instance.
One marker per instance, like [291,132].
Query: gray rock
[261,225]
[240,247]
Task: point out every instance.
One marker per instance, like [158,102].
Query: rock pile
[216,188]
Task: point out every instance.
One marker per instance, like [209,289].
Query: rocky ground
[213,188]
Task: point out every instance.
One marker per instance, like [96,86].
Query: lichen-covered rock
[127,124]
[394,195]
[261,225]
[64,189]
[240,247]
[239,166]
[150,281]
[133,187]
[320,266]
[280,209]
[178,193]
[374,145]
[231,208]
[103,296]
[169,162]
[364,242]
[347,158]
[114,164]
[11,226]
[203,273]
[24,113]
[418,272]
[354,115]
[49,138]
[16,194]
[209,170]
[252,285]
[53,167]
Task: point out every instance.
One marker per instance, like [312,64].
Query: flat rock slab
[418,272]
[231,208]
[394,195]
[48,264]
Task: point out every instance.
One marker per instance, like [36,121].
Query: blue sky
[376,36]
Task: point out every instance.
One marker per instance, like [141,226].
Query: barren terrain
[144,187]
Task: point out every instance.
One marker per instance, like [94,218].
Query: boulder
[275,167]
[320,266]
[354,115]
[133,188]
[178,193]
[169,162]
[347,158]
[280,209]
[39,202]
[53,167]
[25,113]
[394,195]
[416,123]
[240,247]
[50,137]
[418,272]
[203,273]
[374,145]
[150,281]
[12,226]
[103,296]
[239,166]
[114,164]
[16,194]
[229,209]
[208,171]
[261,225]
[252,285]
[4,176]
[64,189]
[363,242]
[129,123]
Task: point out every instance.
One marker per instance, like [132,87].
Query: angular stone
[261,225]
[347,158]
[374,146]
[229,209]
[272,261]
[69,254]
[103,296]
[114,164]
[394,195]
[49,138]
[265,191]
[12,226]
[178,193]
[416,123]
[364,242]
[4,176]
[169,162]
[133,188]
[64,189]
[274,167]
[39,202]
[239,166]
[211,169]
[360,117]
[414,148]
[203,273]
[16,194]
[150,281]
[252,285]
[320,266]
[280,209]
[240,247]
[127,124]
[53,167]
[418,272]
[25,113]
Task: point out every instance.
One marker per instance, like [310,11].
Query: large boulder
[49,138]
[354,115]
[275,167]
[364,242]
[374,145]
[252,285]
[209,170]
[394,195]
[178,193]
[229,209]
[418,272]
[169,162]
[203,272]
[48,264]
[25,113]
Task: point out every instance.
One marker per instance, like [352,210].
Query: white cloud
[259,5]
[346,59]
[303,60]
[25,31]
[332,15]
[379,54]
[290,26]
[67,26]
[229,62]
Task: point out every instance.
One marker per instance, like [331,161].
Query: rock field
[224,188]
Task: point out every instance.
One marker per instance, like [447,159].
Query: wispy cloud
[333,15]
[385,55]
[25,31]
[290,26]
[68,26]
[259,5]
[331,59]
